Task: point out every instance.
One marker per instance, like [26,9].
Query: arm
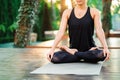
[60,33]
[100,32]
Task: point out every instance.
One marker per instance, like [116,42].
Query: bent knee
[55,59]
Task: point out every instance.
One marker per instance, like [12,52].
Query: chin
[79,2]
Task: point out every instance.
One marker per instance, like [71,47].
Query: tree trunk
[25,23]
[106,21]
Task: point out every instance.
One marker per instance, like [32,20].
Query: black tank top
[81,31]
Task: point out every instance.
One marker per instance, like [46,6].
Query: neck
[82,6]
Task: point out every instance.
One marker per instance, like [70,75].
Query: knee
[100,55]
[56,58]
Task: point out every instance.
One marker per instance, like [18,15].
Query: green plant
[55,25]
[2,28]
[13,27]
[95,3]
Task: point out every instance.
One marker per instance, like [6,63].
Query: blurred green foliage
[48,18]
[7,33]
[2,28]
[95,3]
[12,27]
[9,11]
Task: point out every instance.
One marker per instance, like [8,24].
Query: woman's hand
[106,53]
[71,51]
[50,55]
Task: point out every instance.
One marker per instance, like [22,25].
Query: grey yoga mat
[70,68]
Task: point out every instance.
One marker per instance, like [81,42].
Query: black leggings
[92,56]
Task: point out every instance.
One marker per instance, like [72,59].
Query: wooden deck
[17,63]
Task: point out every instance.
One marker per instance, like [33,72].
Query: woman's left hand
[106,53]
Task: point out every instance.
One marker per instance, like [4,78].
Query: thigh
[63,57]
[91,56]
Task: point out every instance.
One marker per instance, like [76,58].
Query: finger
[104,53]
[107,57]
[48,57]
[51,56]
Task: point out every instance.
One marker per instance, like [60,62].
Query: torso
[91,12]
[81,29]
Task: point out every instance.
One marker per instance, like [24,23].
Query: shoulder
[67,13]
[67,10]
[94,12]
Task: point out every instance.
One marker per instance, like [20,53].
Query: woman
[81,21]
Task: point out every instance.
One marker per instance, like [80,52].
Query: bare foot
[71,51]
[93,48]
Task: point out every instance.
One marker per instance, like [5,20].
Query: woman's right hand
[50,55]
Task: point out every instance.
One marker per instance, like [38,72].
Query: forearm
[101,37]
[57,39]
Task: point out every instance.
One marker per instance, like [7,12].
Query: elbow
[99,31]
[60,33]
